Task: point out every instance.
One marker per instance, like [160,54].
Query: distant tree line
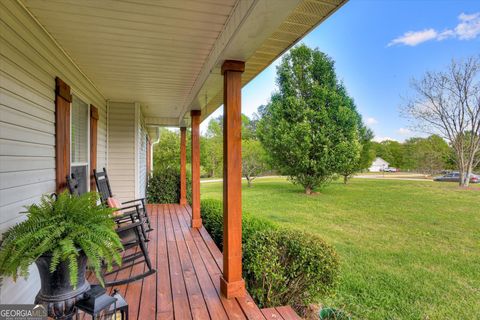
[428,155]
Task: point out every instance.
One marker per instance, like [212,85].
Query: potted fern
[61,236]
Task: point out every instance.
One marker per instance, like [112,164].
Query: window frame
[81,97]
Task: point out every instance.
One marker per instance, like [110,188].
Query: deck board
[187,282]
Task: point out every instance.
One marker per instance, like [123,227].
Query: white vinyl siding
[121,149]
[30,60]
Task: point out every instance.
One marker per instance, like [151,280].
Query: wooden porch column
[231,283]
[183,164]
[196,219]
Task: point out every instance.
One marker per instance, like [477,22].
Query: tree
[447,103]
[356,158]
[367,155]
[311,121]
[166,153]
[211,153]
[390,151]
[254,160]
[427,155]
[348,159]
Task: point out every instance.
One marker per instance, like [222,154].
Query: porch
[187,282]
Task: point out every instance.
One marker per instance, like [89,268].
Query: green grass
[408,249]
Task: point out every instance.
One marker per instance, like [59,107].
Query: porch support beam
[232,284]
[195,122]
[183,165]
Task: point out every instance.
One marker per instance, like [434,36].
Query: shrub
[212,218]
[164,186]
[289,267]
[281,266]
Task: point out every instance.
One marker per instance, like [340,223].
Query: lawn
[408,249]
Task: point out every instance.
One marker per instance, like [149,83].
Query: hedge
[164,187]
[281,266]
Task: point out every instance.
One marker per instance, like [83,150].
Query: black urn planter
[56,292]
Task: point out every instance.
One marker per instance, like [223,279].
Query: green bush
[281,266]
[212,218]
[164,186]
[289,267]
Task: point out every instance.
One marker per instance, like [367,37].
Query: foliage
[348,156]
[447,103]
[254,160]
[281,266]
[164,186]
[289,267]
[166,153]
[389,235]
[211,148]
[212,219]
[391,151]
[308,118]
[211,154]
[62,227]
[428,155]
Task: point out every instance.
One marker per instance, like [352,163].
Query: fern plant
[62,227]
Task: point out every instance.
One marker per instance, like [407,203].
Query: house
[85,85]
[378,165]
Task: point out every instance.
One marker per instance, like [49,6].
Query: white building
[378,165]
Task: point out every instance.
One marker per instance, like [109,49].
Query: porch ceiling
[167,54]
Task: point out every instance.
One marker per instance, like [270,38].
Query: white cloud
[467,29]
[404,132]
[371,121]
[380,139]
[412,38]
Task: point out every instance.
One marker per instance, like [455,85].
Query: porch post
[183,164]
[231,283]
[196,219]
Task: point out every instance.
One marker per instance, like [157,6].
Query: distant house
[378,165]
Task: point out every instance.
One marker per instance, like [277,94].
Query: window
[79,145]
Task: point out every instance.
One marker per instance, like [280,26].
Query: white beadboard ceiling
[167,54]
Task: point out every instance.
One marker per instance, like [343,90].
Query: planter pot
[56,292]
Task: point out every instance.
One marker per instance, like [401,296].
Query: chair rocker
[130,231]
[103,187]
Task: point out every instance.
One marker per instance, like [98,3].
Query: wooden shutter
[63,98]
[93,145]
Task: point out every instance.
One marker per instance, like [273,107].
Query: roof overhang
[167,55]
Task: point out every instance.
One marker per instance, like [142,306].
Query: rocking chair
[130,231]
[103,186]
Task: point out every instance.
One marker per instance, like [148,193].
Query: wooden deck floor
[186,284]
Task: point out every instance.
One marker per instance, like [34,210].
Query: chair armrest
[133,206]
[134,200]
[128,227]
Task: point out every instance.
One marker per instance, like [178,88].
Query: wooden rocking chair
[130,231]
[103,187]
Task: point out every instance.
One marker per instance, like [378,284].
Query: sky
[378,47]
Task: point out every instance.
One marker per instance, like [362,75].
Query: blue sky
[378,47]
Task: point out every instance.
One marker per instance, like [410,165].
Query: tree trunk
[249,182]
[345,179]
[308,190]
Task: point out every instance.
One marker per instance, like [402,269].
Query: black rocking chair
[103,187]
[130,231]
